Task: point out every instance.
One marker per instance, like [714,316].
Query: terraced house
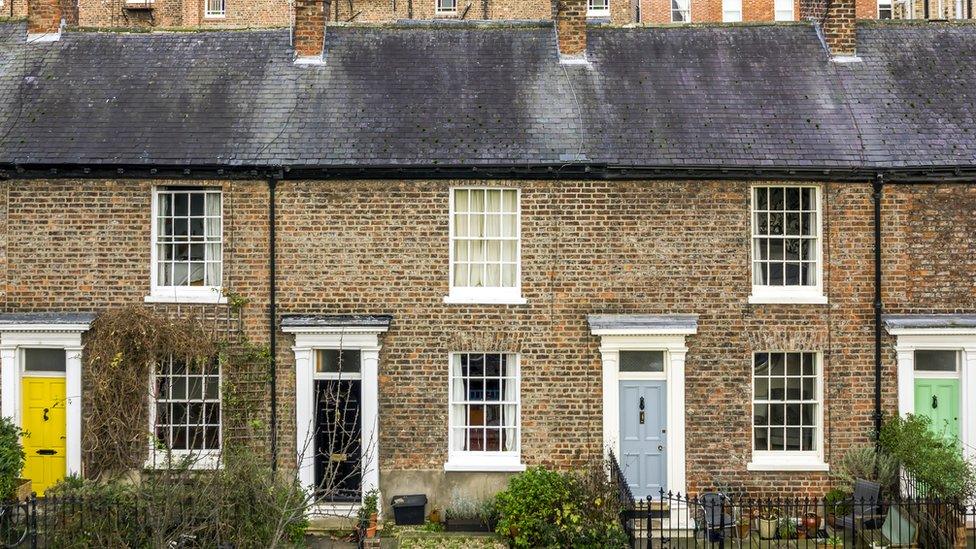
[512,233]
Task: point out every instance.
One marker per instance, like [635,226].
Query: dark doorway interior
[338,440]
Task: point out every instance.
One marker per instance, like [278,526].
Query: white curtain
[459,410]
[509,411]
[213,239]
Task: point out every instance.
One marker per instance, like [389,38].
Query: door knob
[45,414]
[660,448]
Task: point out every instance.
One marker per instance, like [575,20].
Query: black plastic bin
[409,509]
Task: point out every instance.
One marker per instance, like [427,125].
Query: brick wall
[588,247]
[710,11]
[183,14]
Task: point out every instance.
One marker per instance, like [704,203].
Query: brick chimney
[309,32]
[838,20]
[570,21]
[44,18]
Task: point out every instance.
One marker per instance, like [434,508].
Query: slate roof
[647,323]
[930,321]
[7,319]
[359,321]
[914,93]
[415,95]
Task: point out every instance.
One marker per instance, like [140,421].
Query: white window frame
[486,295]
[163,458]
[779,11]
[731,11]
[487,461]
[208,13]
[440,10]
[671,11]
[182,294]
[787,460]
[886,5]
[813,294]
[597,12]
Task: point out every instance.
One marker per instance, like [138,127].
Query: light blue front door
[643,436]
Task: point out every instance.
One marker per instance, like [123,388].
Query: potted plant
[12,462]
[811,523]
[470,516]
[744,525]
[834,541]
[787,528]
[768,522]
[836,502]
[368,513]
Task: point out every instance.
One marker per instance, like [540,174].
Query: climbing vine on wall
[122,349]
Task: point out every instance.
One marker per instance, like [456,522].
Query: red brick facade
[381,247]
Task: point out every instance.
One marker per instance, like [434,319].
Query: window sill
[204,460]
[484,467]
[179,295]
[764,295]
[485,462]
[492,296]
[784,463]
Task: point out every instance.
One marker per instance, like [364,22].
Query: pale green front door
[939,400]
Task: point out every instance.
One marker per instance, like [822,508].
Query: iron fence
[716,520]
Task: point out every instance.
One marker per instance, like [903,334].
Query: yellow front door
[44,423]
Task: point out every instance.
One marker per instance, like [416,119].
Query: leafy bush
[11,458]
[936,462]
[868,464]
[369,506]
[485,511]
[544,508]
[838,501]
[243,504]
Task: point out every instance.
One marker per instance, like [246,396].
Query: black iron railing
[715,520]
[629,515]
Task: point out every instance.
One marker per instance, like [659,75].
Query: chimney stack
[837,18]
[43,19]
[570,22]
[309,32]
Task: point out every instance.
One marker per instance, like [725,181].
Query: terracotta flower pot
[745,529]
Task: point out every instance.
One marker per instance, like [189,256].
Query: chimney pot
[309,32]
[570,22]
[43,17]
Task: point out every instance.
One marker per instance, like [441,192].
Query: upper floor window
[484,411]
[784,10]
[186,413]
[484,254]
[215,8]
[446,6]
[187,252]
[731,11]
[786,250]
[884,9]
[598,8]
[787,413]
[680,11]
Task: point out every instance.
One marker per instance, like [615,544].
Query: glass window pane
[936,361]
[641,361]
[44,360]
[336,361]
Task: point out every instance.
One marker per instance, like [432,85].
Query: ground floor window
[187,405]
[786,402]
[484,403]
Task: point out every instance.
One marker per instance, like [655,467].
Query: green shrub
[544,508]
[243,504]
[868,464]
[936,462]
[11,458]
[838,501]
